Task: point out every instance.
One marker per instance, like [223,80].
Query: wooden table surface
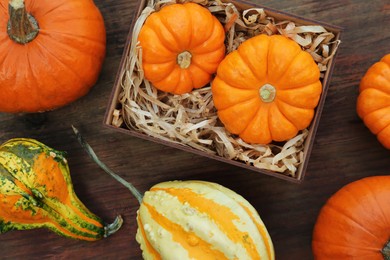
[344,149]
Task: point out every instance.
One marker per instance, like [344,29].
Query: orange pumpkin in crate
[51,52]
[267,89]
[355,222]
[182,46]
[373,104]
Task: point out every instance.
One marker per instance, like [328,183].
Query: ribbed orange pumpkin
[51,58]
[182,46]
[267,89]
[355,222]
[373,104]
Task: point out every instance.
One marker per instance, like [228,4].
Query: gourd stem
[94,157]
[386,251]
[110,229]
[22,27]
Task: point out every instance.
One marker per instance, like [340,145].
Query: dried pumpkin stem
[22,27]
[386,251]
[267,93]
[96,159]
[184,59]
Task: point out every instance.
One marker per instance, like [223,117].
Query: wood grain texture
[344,149]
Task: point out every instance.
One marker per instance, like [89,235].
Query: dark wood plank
[344,149]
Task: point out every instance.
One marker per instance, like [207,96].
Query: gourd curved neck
[22,27]
[96,159]
[386,251]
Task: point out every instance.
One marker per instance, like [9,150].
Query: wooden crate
[241,5]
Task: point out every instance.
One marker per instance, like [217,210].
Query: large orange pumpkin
[267,89]
[51,53]
[182,46]
[355,222]
[373,104]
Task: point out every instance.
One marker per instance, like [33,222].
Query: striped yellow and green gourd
[195,220]
[36,191]
[200,220]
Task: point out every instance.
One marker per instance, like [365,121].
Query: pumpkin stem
[386,251]
[22,27]
[184,59]
[94,157]
[267,93]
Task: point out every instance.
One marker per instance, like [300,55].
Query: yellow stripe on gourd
[252,213]
[44,167]
[148,250]
[191,220]
[193,244]
[220,214]
[263,232]
[58,227]
[17,167]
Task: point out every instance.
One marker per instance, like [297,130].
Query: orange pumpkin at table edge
[373,103]
[51,58]
[182,46]
[267,89]
[355,222]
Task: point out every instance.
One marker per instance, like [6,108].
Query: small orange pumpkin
[51,52]
[182,46]
[267,89]
[373,103]
[355,222]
